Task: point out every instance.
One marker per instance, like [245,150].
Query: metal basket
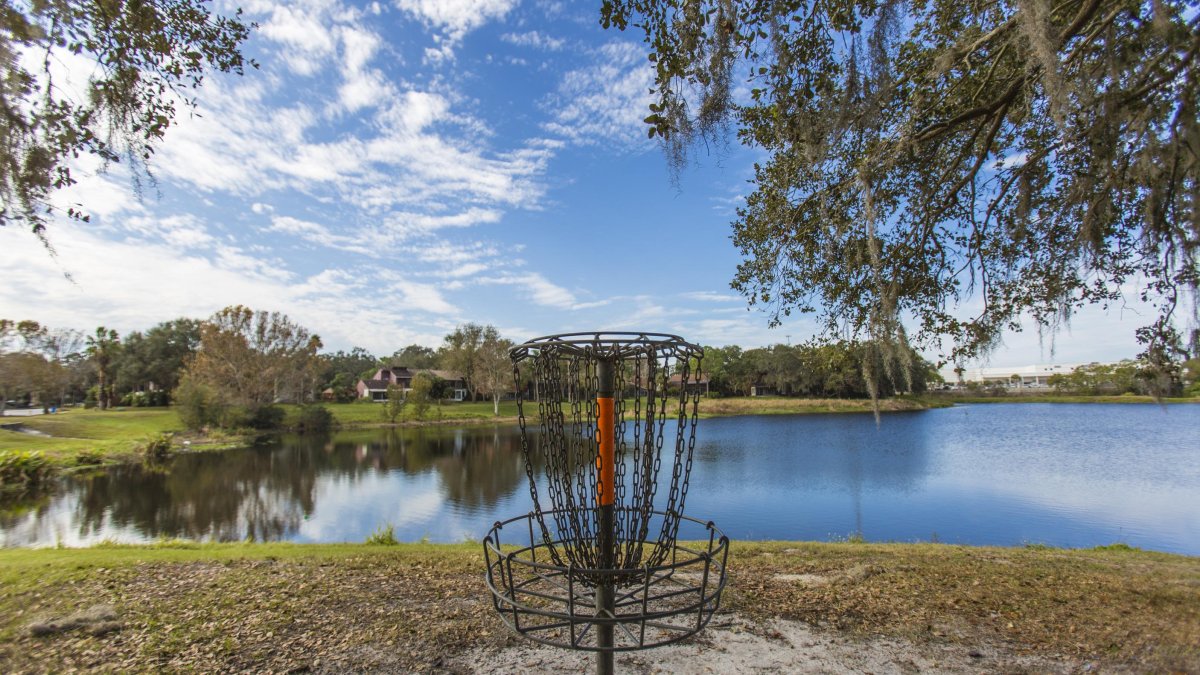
[603,569]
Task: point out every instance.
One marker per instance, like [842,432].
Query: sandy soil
[732,645]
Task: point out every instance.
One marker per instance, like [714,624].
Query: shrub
[24,468]
[234,417]
[393,407]
[266,417]
[384,536]
[157,448]
[314,417]
[89,458]
[419,397]
[198,406]
[93,395]
[262,418]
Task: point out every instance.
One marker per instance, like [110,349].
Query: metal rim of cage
[616,345]
[544,602]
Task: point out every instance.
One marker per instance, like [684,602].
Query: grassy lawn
[371,414]
[349,607]
[110,433]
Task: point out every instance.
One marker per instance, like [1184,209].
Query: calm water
[1008,474]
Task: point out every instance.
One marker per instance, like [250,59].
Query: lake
[1005,474]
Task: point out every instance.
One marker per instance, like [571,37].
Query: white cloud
[111,279]
[300,228]
[454,18]
[712,296]
[101,195]
[410,156]
[536,287]
[363,89]
[606,101]
[304,35]
[394,235]
[534,39]
[183,231]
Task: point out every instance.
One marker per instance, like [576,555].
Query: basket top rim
[606,345]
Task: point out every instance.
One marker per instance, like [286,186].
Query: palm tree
[102,347]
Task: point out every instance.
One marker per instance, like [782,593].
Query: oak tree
[953,166]
[254,358]
[146,59]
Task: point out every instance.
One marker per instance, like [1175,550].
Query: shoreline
[80,439]
[424,607]
[1065,398]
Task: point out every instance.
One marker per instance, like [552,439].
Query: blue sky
[395,169]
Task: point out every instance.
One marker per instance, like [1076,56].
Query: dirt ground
[732,645]
[789,608]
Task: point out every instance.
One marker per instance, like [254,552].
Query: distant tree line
[835,370]
[232,368]
[1129,377]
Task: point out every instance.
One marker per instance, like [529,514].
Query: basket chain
[567,442]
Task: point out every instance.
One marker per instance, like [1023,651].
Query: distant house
[376,387]
[761,389]
[700,385]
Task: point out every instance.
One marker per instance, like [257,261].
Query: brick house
[376,387]
[693,384]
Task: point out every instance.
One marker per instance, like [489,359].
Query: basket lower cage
[557,604]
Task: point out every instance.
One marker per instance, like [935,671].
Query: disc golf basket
[600,568]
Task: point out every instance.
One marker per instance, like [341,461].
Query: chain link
[566,384]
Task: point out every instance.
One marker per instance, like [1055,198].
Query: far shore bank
[79,438]
[1057,398]
[424,608]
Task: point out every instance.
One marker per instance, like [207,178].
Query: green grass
[23,569]
[371,414]
[110,433]
[384,536]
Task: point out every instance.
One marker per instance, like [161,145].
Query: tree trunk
[496,405]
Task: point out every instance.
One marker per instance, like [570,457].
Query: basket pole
[606,461]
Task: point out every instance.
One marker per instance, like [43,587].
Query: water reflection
[477,466]
[997,474]
[270,492]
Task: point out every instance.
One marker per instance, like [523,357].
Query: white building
[1012,376]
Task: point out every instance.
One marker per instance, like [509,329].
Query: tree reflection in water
[266,492]
[1070,475]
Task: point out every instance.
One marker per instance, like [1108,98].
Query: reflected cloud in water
[996,474]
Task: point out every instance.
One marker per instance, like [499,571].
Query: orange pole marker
[606,461]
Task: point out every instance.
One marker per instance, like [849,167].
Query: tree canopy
[255,358]
[157,356]
[465,351]
[146,57]
[953,166]
[37,362]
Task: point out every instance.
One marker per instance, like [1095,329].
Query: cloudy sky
[397,168]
